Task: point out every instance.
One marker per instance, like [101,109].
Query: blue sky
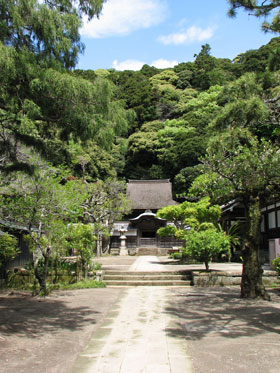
[163,33]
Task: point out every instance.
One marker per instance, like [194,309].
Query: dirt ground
[47,334]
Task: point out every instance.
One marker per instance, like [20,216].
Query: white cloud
[120,17]
[189,35]
[128,65]
[137,65]
[164,64]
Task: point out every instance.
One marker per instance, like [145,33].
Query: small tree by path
[105,203]
[206,245]
[82,241]
[42,205]
[196,223]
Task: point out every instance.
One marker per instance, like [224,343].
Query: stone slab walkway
[182,330]
[159,263]
[147,263]
[134,338]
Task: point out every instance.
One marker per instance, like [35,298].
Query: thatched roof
[150,194]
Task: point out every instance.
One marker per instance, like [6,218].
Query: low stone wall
[20,277]
[217,278]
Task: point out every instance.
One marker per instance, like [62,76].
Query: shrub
[176,255]
[8,248]
[276,265]
[206,245]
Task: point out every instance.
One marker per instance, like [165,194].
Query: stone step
[142,273]
[144,251]
[148,283]
[147,278]
[138,277]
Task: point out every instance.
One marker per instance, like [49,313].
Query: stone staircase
[137,278]
[147,251]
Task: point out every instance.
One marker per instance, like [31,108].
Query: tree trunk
[41,274]
[85,268]
[106,247]
[252,284]
[98,245]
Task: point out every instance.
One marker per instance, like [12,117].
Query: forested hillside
[172,113]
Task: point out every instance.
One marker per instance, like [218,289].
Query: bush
[206,245]
[62,274]
[176,255]
[276,265]
[8,248]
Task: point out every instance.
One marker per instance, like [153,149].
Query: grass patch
[29,286]
[274,285]
[89,284]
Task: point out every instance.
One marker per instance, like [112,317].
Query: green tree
[105,203]
[240,167]
[184,179]
[258,8]
[196,223]
[41,104]
[48,29]
[190,213]
[45,108]
[245,103]
[180,146]
[41,204]
[81,240]
[134,87]
[167,96]
[142,150]
[200,110]
[205,245]
[203,64]
[8,248]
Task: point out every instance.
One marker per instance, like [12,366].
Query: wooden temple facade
[140,227]
[269,228]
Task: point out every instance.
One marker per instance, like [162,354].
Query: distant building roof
[150,194]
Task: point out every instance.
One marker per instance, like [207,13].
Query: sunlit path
[134,338]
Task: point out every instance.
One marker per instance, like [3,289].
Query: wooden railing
[148,242]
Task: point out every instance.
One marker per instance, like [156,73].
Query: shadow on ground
[23,314]
[46,334]
[221,311]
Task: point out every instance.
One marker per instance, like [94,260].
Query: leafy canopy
[196,223]
[49,29]
[259,8]
[238,166]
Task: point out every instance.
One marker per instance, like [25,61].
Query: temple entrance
[147,225]
[147,239]
[142,238]
[149,234]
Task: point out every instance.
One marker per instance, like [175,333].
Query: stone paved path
[134,338]
[182,330]
[134,335]
[147,263]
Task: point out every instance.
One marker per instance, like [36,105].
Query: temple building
[139,229]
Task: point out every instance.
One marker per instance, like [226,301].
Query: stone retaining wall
[217,278]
